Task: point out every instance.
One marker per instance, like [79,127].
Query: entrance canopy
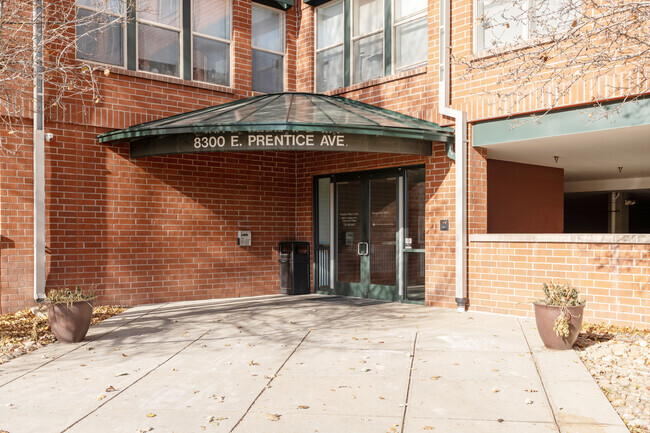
[284,121]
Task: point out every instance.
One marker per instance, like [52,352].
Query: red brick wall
[524,198]
[150,230]
[16,223]
[504,277]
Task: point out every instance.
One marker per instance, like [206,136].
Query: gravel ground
[619,360]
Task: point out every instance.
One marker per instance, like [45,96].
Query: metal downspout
[39,155]
[460,118]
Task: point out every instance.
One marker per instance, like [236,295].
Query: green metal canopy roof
[294,116]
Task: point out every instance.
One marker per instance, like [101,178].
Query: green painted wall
[564,122]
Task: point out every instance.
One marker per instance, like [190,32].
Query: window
[268,49]
[367,40]
[329,47]
[211,41]
[502,23]
[159,36]
[100,31]
[410,33]
[358,40]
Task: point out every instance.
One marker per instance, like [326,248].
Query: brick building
[427,193]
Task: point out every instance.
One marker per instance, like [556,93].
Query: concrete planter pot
[545,319]
[70,322]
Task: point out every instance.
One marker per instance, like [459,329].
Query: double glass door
[370,234]
[367,236]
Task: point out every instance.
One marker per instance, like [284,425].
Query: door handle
[365,248]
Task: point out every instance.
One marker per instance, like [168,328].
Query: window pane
[267,30]
[416,200]
[166,12]
[211,61]
[113,6]
[158,50]
[368,55]
[502,23]
[407,7]
[324,211]
[549,17]
[212,18]
[100,39]
[368,16]
[411,43]
[268,71]
[330,25]
[329,64]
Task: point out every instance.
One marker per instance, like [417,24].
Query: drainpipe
[460,118]
[39,155]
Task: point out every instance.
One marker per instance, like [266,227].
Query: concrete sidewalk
[303,364]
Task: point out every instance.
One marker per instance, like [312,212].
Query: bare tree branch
[67,31]
[547,53]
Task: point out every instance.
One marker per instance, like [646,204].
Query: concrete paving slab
[308,422]
[347,361]
[580,402]
[472,400]
[473,339]
[560,365]
[479,365]
[348,396]
[321,363]
[414,424]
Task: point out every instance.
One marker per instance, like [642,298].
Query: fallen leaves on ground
[29,329]
[592,333]
[272,416]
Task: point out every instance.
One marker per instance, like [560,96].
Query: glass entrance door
[366,236]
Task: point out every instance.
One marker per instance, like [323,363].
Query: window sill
[378,81]
[565,238]
[509,49]
[119,70]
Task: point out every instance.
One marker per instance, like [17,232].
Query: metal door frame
[400,173]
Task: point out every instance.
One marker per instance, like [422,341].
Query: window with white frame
[267,40]
[329,47]
[503,23]
[100,31]
[159,36]
[211,30]
[409,33]
[367,39]
[358,40]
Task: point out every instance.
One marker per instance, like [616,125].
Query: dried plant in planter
[563,296]
[69,312]
[68,296]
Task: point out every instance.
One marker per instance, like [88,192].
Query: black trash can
[294,268]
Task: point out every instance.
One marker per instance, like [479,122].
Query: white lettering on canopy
[312,141]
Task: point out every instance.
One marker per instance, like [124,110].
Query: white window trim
[402,21]
[283,26]
[178,30]
[214,38]
[320,50]
[122,16]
